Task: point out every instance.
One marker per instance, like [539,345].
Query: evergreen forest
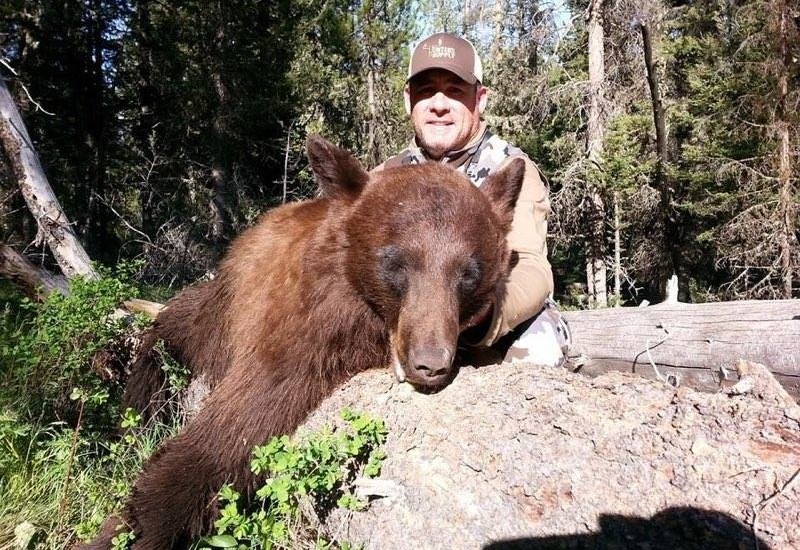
[669,132]
[166,128]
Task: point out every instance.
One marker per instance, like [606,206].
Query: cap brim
[467,77]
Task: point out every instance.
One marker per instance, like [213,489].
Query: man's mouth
[439,126]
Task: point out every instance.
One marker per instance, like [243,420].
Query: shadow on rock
[670,529]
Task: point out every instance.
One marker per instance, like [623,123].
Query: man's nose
[439,103]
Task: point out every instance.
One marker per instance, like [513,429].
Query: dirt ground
[517,456]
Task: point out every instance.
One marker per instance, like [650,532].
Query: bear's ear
[339,175]
[502,189]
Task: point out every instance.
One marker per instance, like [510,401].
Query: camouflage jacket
[531,280]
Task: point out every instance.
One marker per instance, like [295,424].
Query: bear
[382,269]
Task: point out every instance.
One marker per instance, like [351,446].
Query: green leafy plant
[60,355]
[122,541]
[64,467]
[65,482]
[177,375]
[318,469]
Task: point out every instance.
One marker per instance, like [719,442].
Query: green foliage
[628,163]
[318,467]
[63,468]
[52,357]
[122,541]
[723,65]
[162,98]
[64,482]
[177,375]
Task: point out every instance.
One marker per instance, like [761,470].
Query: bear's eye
[392,268]
[470,276]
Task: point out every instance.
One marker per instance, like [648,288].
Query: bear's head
[425,248]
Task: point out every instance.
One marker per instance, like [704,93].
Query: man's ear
[482,98]
[407,98]
[339,175]
[502,189]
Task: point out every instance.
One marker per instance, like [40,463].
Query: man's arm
[531,280]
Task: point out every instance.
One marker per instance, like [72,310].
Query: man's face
[445,110]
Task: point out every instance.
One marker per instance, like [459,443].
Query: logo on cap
[438,51]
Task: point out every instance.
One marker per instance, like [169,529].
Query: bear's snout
[431,365]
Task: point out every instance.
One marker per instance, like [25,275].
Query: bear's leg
[145,390]
[174,497]
[173,501]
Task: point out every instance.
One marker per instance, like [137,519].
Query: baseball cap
[446,51]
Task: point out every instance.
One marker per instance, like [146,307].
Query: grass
[59,484]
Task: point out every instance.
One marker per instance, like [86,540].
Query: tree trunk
[663,181]
[34,282]
[595,130]
[220,221]
[617,252]
[144,130]
[221,165]
[286,162]
[372,113]
[97,57]
[499,20]
[37,283]
[54,227]
[694,343]
[787,207]
[785,200]
[596,124]
[659,118]
[522,457]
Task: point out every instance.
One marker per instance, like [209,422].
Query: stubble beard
[434,151]
[437,149]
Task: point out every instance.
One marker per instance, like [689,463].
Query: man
[445,99]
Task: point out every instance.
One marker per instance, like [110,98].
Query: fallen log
[37,283]
[696,345]
[516,456]
[137,305]
[34,282]
[54,226]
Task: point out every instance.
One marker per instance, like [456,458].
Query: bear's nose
[431,362]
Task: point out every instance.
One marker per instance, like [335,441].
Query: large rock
[516,456]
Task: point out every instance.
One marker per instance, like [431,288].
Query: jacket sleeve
[531,280]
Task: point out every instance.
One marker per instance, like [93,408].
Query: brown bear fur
[386,267]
